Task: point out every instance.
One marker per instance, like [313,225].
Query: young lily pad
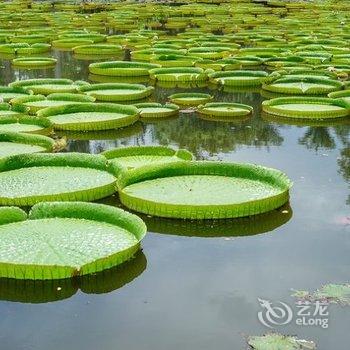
[37,102]
[224,109]
[29,179]
[90,116]
[121,68]
[303,86]
[239,78]
[34,62]
[190,98]
[25,124]
[275,341]
[117,92]
[49,86]
[307,108]
[174,74]
[157,110]
[134,157]
[203,190]
[8,93]
[13,143]
[63,240]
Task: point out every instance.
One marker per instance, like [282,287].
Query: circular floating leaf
[134,157]
[190,98]
[276,341]
[8,93]
[34,62]
[25,124]
[203,190]
[49,86]
[157,110]
[174,74]
[62,240]
[90,116]
[117,92]
[224,109]
[13,143]
[98,49]
[342,95]
[239,78]
[302,107]
[6,110]
[29,179]
[121,68]
[303,86]
[37,102]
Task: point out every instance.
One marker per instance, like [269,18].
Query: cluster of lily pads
[272,48]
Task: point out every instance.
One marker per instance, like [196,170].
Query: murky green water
[196,285]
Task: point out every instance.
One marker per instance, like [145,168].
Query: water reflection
[28,291]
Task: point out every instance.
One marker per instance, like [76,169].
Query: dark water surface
[195,285]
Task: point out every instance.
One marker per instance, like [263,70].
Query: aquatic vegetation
[26,124]
[7,110]
[7,93]
[28,179]
[190,98]
[35,103]
[303,86]
[157,110]
[34,62]
[90,116]
[71,239]
[275,341]
[122,68]
[13,143]
[98,49]
[48,86]
[117,92]
[306,107]
[181,74]
[241,78]
[134,157]
[224,109]
[203,190]
[331,293]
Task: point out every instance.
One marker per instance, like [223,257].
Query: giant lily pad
[62,240]
[117,92]
[133,157]
[203,190]
[90,116]
[280,342]
[309,108]
[174,74]
[34,62]
[157,110]
[303,86]
[29,179]
[37,102]
[190,98]
[224,109]
[25,124]
[121,68]
[239,78]
[13,143]
[49,86]
[7,93]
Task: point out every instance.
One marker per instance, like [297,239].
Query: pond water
[196,285]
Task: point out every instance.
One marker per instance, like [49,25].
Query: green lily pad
[13,143]
[8,93]
[239,78]
[117,92]
[62,240]
[306,108]
[34,62]
[90,116]
[190,98]
[37,102]
[280,342]
[157,110]
[134,157]
[222,109]
[174,74]
[25,124]
[29,179]
[49,86]
[203,190]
